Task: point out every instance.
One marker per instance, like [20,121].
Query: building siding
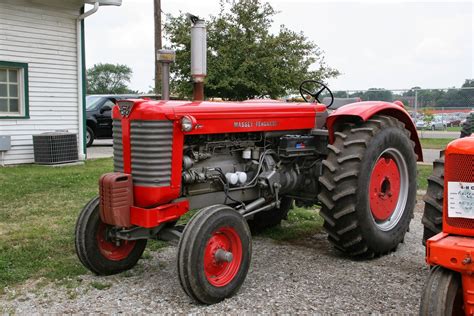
[46,39]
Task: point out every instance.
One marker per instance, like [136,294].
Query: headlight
[188,123]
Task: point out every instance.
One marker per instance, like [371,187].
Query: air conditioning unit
[55,148]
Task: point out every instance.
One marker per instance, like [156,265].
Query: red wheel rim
[219,272]
[384,188]
[111,250]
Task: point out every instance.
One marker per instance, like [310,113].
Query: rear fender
[362,111]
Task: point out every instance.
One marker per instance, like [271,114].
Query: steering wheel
[314,95]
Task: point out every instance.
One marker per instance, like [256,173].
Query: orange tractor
[449,289]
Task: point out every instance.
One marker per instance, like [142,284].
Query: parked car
[438,124]
[452,119]
[420,124]
[99,115]
[454,122]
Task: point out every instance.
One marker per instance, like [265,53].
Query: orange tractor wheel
[442,294]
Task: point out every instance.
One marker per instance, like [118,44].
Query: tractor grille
[151,146]
[118,148]
[459,168]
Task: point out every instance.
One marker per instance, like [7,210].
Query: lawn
[453,128]
[435,143]
[40,206]
[37,217]
[424,172]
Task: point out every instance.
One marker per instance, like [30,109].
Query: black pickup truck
[99,115]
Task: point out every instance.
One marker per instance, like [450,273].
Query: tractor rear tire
[96,252]
[214,254]
[271,218]
[368,186]
[442,293]
[466,129]
[432,219]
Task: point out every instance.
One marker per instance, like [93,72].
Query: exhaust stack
[198,56]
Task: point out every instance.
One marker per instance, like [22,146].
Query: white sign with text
[461,199]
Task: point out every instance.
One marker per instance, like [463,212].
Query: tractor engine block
[236,168]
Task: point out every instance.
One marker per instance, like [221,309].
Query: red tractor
[242,165]
[449,289]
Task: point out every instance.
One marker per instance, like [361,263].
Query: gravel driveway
[307,277]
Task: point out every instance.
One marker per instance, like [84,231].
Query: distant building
[42,71]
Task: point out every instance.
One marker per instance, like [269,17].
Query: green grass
[435,143]
[100,285]
[38,212]
[302,222]
[40,206]
[423,173]
[454,129]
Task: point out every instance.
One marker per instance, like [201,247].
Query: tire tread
[339,178]
[432,219]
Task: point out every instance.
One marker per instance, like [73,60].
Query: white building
[42,71]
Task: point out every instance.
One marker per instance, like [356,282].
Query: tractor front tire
[96,251]
[214,254]
[270,218]
[368,186]
[442,293]
[432,219]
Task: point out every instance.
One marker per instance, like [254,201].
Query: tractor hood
[225,117]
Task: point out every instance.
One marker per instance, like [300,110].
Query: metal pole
[416,105]
[165,81]
[157,16]
[165,57]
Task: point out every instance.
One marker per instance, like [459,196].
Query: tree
[108,79]
[245,60]
[340,94]
[378,94]
[468,94]
[427,116]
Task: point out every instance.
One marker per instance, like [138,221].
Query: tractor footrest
[116,198]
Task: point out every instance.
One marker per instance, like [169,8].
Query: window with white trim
[13,90]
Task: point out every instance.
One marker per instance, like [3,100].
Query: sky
[374,44]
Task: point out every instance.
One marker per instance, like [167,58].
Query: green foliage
[433,98]
[378,94]
[427,115]
[444,98]
[245,60]
[340,94]
[468,83]
[108,79]
[374,94]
